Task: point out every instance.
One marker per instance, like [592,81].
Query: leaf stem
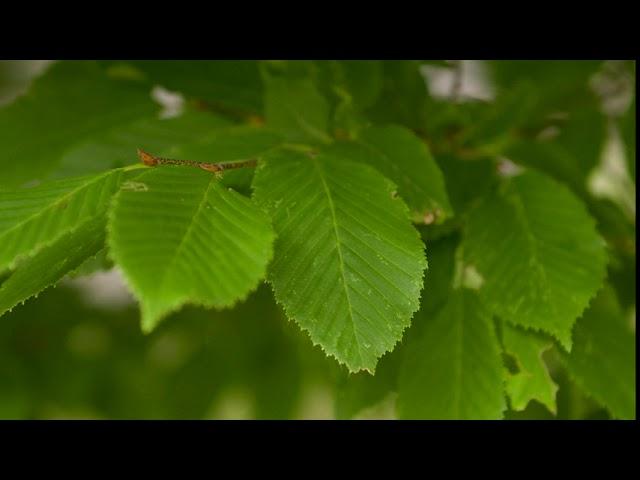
[135,166]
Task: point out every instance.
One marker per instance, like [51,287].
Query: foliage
[437,256]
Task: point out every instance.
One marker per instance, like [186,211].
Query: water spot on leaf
[135,186]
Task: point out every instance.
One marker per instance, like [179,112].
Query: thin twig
[152,161]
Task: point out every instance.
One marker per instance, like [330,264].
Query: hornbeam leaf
[572,155]
[557,85]
[294,107]
[532,381]
[33,218]
[603,359]
[404,95]
[348,264]
[180,237]
[363,80]
[538,253]
[455,370]
[491,127]
[234,84]
[467,180]
[51,263]
[405,159]
[69,103]
[360,80]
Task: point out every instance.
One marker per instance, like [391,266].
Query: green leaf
[532,381]
[350,86]
[360,80]
[538,253]
[404,95]
[558,85]
[233,83]
[493,124]
[570,156]
[51,263]
[294,107]
[33,218]
[348,265]
[68,104]
[553,159]
[554,75]
[455,370]
[603,359]
[97,263]
[405,159]
[467,180]
[584,135]
[180,237]
[363,80]
[360,391]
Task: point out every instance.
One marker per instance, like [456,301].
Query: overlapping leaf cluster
[359,166]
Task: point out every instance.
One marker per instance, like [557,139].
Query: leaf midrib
[176,255]
[521,214]
[316,163]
